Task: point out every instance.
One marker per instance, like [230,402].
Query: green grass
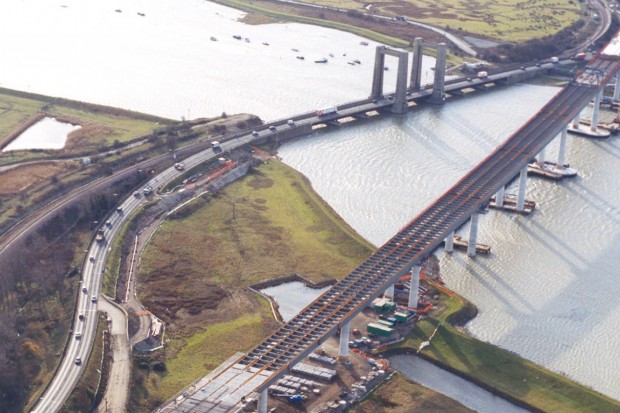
[502,371]
[505,20]
[276,13]
[205,351]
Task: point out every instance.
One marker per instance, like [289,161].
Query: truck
[99,237]
[326,111]
[555,59]
[483,74]
[215,145]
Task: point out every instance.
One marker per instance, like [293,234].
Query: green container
[379,329]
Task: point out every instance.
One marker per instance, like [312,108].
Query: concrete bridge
[250,376]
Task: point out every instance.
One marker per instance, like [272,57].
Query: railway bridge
[249,376]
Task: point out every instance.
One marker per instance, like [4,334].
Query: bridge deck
[264,364]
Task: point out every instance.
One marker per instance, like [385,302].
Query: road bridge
[250,375]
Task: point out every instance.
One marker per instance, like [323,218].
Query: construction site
[326,382]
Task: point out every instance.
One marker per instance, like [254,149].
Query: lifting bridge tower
[438,96]
[400,96]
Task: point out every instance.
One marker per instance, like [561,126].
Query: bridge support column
[522,185]
[562,149]
[449,243]
[473,235]
[415,285]
[576,121]
[499,197]
[617,89]
[541,155]
[389,292]
[439,96]
[595,112]
[416,66]
[262,401]
[345,330]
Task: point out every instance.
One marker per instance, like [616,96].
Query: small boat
[236,36]
[323,60]
[266,44]
[300,57]
[213,39]
[295,50]
[141,14]
[351,63]
[364,43]
[357,61]
[247,40]
[118,10]
[331,55]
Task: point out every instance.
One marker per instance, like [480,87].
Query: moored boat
[323,60]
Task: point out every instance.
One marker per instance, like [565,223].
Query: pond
[292,297]
[48,133]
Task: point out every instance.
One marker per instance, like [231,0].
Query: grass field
[503,20]
[399,395]
[502,371]
[196,270]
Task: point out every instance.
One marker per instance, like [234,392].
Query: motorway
[69,372]
[263,365]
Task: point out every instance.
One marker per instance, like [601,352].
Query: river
[548,290]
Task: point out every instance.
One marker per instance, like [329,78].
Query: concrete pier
[473,235]
[343,349]
[522,189]
[415,285]
[563,144]
[262,402]
[617,89]
[389,292]
[499,197]
[595,112]
[449,242]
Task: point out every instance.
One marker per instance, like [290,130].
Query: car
[119,210]
[272,128]
[179,166]
[555,59]
[255,133]
[136,194]
[78,361]
[522,67]
[108,223]
[290,122]
[469,79]
[375,101]
[91,258]
[78,335]
[538,64]
[81,317]
[84,289]
[93,298]
[147,190]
